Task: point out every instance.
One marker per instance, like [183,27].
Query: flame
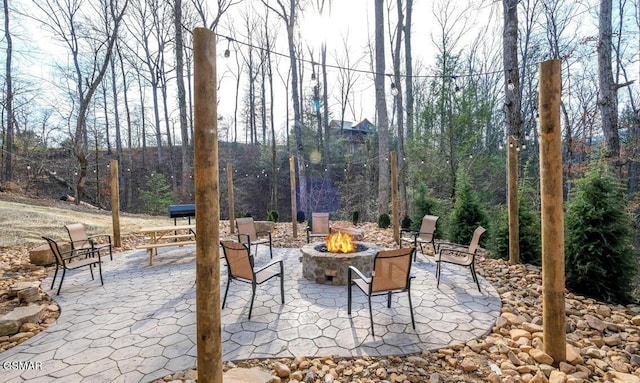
[340,243]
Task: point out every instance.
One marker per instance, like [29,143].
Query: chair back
[78,236]
[320,223]
[391,270]
[55,250]
[238,259]
[428,227]
[475,240]
[247,227]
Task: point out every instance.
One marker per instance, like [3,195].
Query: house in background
[354,135]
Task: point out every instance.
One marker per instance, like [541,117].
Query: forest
[114,80]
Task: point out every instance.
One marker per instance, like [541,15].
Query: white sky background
[36,53]
[352,18]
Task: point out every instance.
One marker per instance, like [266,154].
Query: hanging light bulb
[510,84]
[394,89]
[313,74]
[227,52]
[456,88]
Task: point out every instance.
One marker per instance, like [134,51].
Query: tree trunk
[513,119]
[399,102]
[8,139]
[607,100]
[185,186]
[408,69]
[381,109]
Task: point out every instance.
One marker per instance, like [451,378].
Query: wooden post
[115,203]
[294,208]
[552,216]
[232,210]
[512,200]
[394,197]
[208,319]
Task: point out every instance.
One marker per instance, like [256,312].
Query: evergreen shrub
[528,227]
[467,212]
[600,260]
[157,195]
[355,217]
[272,215]
[384,221]
[300,217]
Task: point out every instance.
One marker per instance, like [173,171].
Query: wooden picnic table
[166,236]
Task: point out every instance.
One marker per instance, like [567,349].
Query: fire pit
[330,267]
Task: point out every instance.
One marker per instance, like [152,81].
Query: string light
[394,88]
[227,52]
[457,90]
[510,85]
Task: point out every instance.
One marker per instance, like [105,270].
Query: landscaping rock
[247,375]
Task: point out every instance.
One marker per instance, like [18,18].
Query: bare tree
[288,14]
[381,109]
[607,99]
[67,23]
[8,137]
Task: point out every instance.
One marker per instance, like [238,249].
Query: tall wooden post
[115,202]
[232,210]
[208,320]
[512,202]
[552,216]
[294,207]
[394,197]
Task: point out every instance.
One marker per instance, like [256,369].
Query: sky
[354,19]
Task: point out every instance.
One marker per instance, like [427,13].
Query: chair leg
[371,316]
[253,295]
[438,271]
[91,269]
[61,280]
[270,250]
[100,272]
[413,322]
[54,278]
[226,290]
[349,291]
[475,277]
[281,285]
[389,299]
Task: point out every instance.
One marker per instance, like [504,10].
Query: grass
[24,224]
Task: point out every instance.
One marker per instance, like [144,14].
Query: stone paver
[140,325]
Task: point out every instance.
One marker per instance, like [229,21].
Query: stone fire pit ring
[331,268]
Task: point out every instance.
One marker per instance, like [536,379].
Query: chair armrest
[107,236]
[360,275]
[69,254]
[263,233]
[272,263]
[455,252]
[244,235]
[448,245]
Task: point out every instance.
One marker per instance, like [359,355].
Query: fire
[340,243]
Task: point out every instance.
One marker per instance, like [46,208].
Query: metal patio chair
[240,267]
[391,274]
[73,259]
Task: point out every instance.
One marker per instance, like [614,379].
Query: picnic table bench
[166,236]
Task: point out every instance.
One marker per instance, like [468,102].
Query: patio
[141,326]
